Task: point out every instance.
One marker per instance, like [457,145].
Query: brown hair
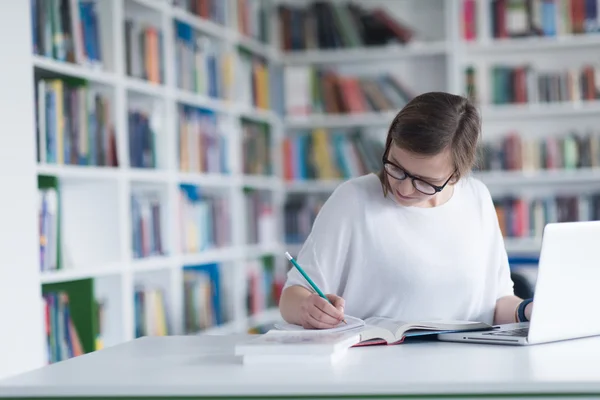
[432,122]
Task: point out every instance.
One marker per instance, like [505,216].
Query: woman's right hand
[317,313]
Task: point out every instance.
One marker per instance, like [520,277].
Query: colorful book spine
[314,90]
[202,291]
[150,312]
[256,142]
[75,124]
[322,155]
[70,30]
[145,52]
[205,220]
[146,224]
[517,151]
[202,146]
[335,25]
[300,212]
[525,217]
[142,140]
[264,285]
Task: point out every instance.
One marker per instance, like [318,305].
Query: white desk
[205,366]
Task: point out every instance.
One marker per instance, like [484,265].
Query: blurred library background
[163,155]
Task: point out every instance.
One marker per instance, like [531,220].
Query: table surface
[206,366]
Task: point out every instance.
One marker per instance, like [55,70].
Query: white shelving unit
[96,199]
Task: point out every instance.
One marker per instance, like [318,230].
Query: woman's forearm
[290,302]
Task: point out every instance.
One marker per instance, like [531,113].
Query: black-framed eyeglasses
[422,186]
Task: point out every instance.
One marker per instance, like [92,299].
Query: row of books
[254,81]
[144,48]
[253,19]
[202,146]
[528,84]
[202,296]
[299,214]
[319,90]
[330,155]
[142,139]
[202,65]
[530,18]
[151,313]
[204,220]
[146,223]
[329,25]
[212,10]
[515,151]
[71,30]
[74,124]
[256,145]
[62,339]
[521,217]
[264,285]
[260,217]
[48,223]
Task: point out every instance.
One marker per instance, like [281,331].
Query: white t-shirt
[409,263]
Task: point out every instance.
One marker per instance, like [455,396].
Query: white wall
[21,340]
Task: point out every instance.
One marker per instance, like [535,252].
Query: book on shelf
[144,50]
[151,316]
[204,220]
[253,81]
[253,19]
[71,319]
[333,154]
[146,224]
[203,294]
[517,151]
[260,217]
[202,64]
[75,123]
[313,90]
[49,223]
[526,216]
[532,18]
[528,84]
[202,144]
[61,335]
[264,285]
[142,139]
[75,31]
[299,213]
[256,145]
[212,10]
[387,331]
[335,25]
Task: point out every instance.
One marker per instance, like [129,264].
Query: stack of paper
[288,347]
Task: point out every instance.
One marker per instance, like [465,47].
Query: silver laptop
[567,291]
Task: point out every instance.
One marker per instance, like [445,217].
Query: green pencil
[314,286]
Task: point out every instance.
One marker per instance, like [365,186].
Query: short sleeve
[324,253]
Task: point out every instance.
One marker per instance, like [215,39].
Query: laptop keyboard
[518,332]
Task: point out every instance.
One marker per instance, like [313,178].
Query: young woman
[418,241]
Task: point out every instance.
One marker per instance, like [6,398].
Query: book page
[385,323]
[353,323]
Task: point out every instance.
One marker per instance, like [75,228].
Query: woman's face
[435,170]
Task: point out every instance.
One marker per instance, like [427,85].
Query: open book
[381,330]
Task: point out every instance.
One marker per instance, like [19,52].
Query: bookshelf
[157,108]
[154,127]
